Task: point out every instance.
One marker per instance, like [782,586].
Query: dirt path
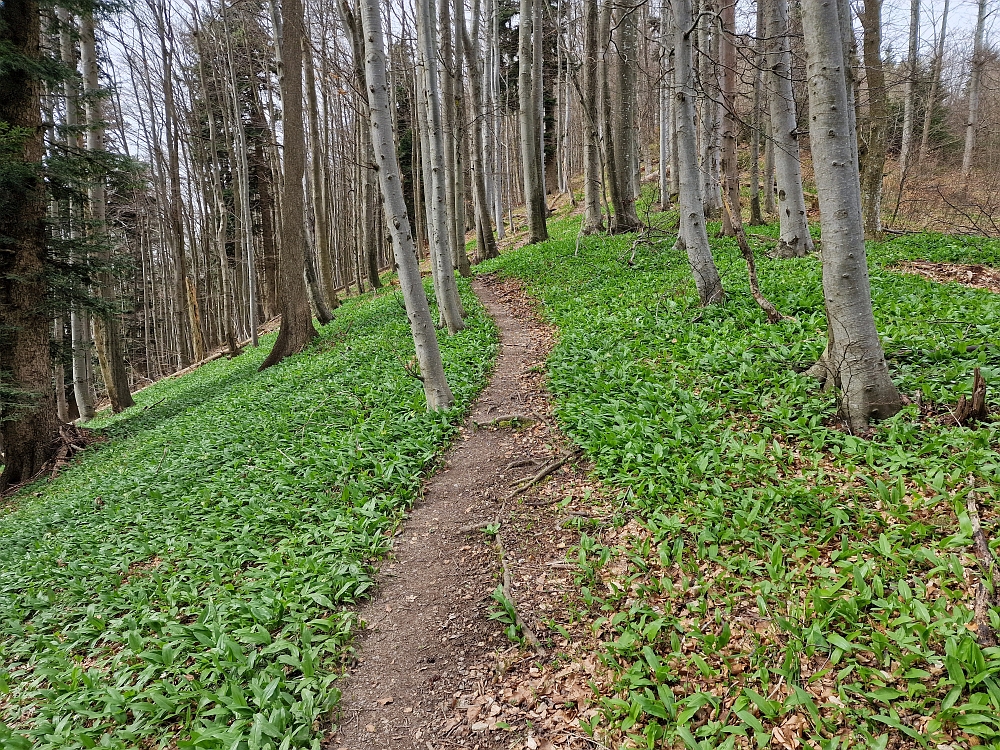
[427,674]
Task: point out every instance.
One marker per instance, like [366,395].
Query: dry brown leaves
[975,276]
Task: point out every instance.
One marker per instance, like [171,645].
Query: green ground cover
[772,576]
[188,584]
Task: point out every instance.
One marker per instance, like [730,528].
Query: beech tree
[853,361]
[794,239]
[693,236]
[432,374]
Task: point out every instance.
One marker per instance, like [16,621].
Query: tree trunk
[436,389]
[593,218]
[757,119]
[623,102]
[664,106]
[441,227]
[793,240]
[318,182]
[872,154]
[707,53]
[693,234]
[908,91]
[930,106]
[730,164]
[28,426]
[296,321]
[486,246]
[80,336]
[109,337]
[853,362]
[531,151]
[975,92]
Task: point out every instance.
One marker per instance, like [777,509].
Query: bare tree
[931,105]
[693,235]
[432,374]
[873,149]
[531,147]
[853,361]
[975,90]
[794,239]
[296,320]
[108,333]
[593,220]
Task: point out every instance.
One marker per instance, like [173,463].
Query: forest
[499,374]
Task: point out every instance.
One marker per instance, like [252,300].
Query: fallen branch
[529,634]
[773,316]
[524,484]
[985,597]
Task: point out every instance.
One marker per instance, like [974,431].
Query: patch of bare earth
[433,669]
[976,275]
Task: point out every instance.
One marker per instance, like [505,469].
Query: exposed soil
[976,276]
[433,669]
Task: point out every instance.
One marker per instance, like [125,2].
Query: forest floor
[435,667]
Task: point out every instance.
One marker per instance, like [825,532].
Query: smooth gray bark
[693,233]
[975,91]
[853,362]
[794,239]
[593,216]
[441,226]
[908,90]
[436,389]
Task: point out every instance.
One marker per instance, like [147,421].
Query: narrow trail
[428,657]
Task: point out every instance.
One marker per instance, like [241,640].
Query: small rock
[480,726]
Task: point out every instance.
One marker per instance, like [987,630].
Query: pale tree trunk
[83,381]
[730,164]
[664,106]
[593,218]
[710,122]
[436,389]
[693,234]
[189,338]
[449,121]
[59,372]
[219,207]
[908,91]
[770,208]
[975,92]
[462,264]
[925,136]
[873,151]
[486,246]
[757,119]
[853,362]
[109,338]
[441,227]
[296,321]
[793,240]
[531,151]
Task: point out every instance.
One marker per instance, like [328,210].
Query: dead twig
[529,634]
[773,316]
[524,484]
[984,595]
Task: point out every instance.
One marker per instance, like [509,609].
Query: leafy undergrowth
[188,584]
[770,577]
